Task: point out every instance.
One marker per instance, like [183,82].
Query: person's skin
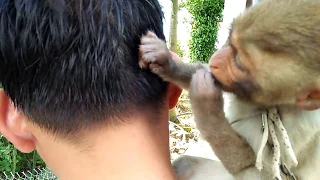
[138,149]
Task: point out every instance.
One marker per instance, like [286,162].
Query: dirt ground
[184,137]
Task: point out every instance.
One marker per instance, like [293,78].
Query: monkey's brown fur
[275,38]
[207,105]
[272,58]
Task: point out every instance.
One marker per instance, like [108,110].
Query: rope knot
[272,124]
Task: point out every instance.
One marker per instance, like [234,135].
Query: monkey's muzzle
[216,82]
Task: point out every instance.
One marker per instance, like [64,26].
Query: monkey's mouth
[238,90]
[219,84]
[216,82]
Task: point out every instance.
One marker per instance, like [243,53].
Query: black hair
[72,64]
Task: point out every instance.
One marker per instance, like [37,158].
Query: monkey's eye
[237,61]
[236,58]
[238,64]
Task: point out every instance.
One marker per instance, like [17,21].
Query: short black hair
[71,64]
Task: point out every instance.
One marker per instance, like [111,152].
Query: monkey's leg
[198,168]
[155,55]
[207,105]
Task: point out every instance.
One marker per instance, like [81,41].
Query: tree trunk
[173,40]
[174,26]
[249,3]
[232,8]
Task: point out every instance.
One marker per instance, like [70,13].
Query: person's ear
[174,90]
[14,125]
[309,100]
[174,94]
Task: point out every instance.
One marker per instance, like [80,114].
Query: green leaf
[206,14]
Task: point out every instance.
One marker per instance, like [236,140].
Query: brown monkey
[207,104]
[233,151]
[271,60]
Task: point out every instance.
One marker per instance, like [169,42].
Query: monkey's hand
[207,105]
[155,55]
[203,93]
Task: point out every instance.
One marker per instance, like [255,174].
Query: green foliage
[180,51]
[11,160]
[206,16]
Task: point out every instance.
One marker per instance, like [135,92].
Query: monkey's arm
[207,105]
[233,151]
[180,73]
[155,55]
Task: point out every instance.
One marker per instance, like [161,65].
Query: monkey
[235,159]
[233,151]
[271,60]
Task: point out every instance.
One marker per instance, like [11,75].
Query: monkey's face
[231,74]
[255,75]
[272,55]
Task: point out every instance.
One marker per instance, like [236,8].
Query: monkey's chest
[302,132]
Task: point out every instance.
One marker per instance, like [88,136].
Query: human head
[70,66]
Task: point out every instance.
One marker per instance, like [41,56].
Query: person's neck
[138,150]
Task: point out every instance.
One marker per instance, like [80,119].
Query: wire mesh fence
[35,174]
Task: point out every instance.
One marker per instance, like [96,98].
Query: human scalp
[70,65]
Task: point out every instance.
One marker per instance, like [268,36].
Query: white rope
[274,116]
[265,134]
[272,124]
[276,150]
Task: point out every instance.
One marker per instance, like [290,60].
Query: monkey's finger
[148,40]
[208,80]
[151,34]
[210,85]
[156,68]
[150,56]
[143,64]
[153,54]
[203,79]
[193,86]
[146,48]
[203,86]
[145,58]
[196,81]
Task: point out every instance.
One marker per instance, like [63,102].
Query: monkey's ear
[174,90]
[309,101]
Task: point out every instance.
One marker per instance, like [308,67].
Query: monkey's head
[272,56]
